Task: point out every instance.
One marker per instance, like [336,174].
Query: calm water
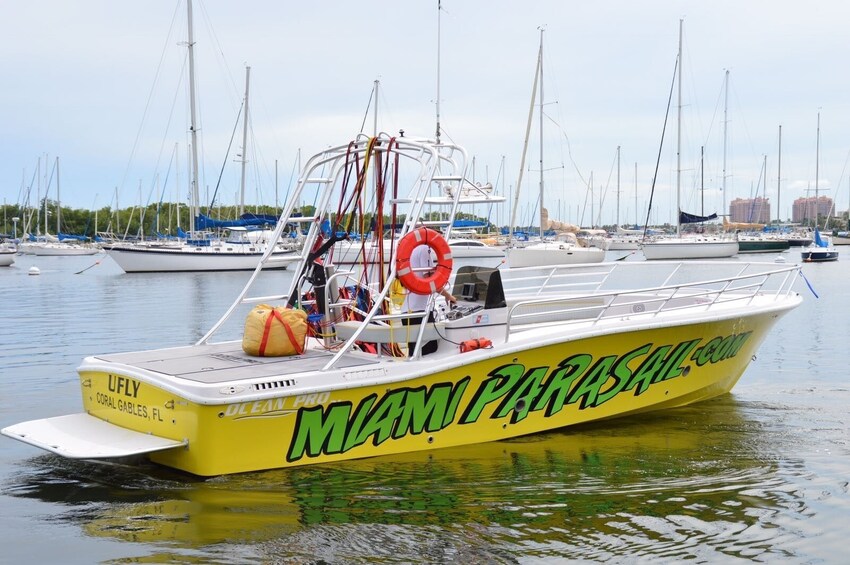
[761,474]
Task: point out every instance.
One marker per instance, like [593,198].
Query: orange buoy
[413,281]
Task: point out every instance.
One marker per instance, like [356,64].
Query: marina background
[760,474]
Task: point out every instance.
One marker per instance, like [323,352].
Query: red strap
[276,315]
[299,349]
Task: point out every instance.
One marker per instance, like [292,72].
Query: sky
[102,86]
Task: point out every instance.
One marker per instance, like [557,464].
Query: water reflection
[696,482]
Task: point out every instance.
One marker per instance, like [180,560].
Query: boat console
[481,309]
[462,310]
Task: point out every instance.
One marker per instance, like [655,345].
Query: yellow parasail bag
[274,331]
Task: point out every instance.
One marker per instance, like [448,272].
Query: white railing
[580,294]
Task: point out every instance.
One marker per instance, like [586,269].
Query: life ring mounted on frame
[413,281]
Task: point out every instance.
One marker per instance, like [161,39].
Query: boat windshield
[480,284]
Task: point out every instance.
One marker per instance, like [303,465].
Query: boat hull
[623,244]
[538,256]
[140,259]
[762,245]
[61,250]
[458,400]
[819,255]
[678,249]
[7,258]
[799,241]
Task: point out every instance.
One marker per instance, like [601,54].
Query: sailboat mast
[725,129]
[817,160]
[764,192]
[438,71]
[38,196]
[618,185]
[192,126]
[58,201]
[702,180]
[679,141]
[542,227]
[176,185]
[779,177]
[375,112]
[244,142]
[527,134]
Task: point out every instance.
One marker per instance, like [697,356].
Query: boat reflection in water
[693,482]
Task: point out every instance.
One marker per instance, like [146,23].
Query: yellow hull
[519,393]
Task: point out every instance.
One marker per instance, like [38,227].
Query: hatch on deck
[81,436]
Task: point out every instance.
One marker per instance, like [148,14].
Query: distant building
[750,210]
[810,208]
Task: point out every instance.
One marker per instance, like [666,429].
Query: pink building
[810,208]
[750,210]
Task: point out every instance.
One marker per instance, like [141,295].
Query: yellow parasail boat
[523,350]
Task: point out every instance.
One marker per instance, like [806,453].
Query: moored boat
[559,251]
[200,255]
[686,246]
[820,251]
[468,248]
[689,247]
[524,350]
[63,248]
[840,238]
[798,240]
[761,244]
[7,254]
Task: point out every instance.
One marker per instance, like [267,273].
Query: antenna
[439,2]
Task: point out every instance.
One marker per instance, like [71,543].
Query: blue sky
[78,77]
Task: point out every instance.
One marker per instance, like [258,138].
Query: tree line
[148,222]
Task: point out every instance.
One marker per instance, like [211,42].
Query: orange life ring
[413,281]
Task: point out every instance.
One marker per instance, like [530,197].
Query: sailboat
[692,246]
[820,250]
[238,252]
[60,245]
[620,239]
[562,251]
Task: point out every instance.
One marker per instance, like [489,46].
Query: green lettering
[558,386]
[501,381]
[673,368]
[621,374]
[587,388]
[704,353]
[431,411]
[722,349]
[360,415]
[740,340]
[527,389]
[318,432]
[647,370]
[382,419]
[457,394]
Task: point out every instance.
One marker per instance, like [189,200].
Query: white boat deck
[226,362]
